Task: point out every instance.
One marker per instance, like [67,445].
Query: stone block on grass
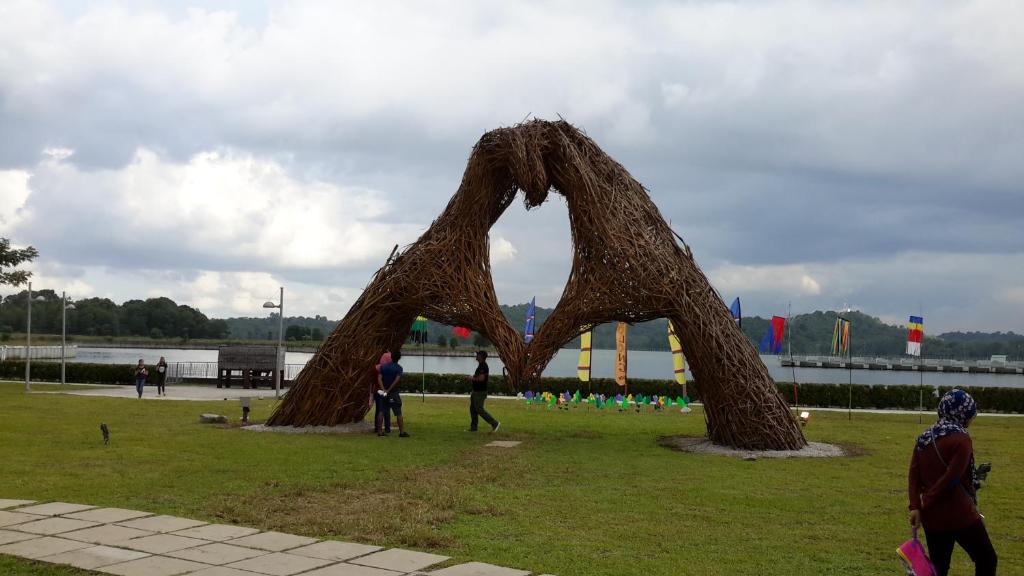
[54,508]
[479,569]
[399,560]
[346,569]
[162,543]
[39,547]
[161,523]
[217,553]
[217,532]
[109,534]
[11,536]
[280,564]
[154,566]
[107,515]
[335,550]
[94,557]
[13,518]
[51,526]
[8,503]
[273,541]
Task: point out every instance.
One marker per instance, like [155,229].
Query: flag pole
[920,368]
[789,345]
[849,365]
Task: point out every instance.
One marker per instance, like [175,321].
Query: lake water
[642,364]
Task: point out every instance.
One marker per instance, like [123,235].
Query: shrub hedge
[814,395]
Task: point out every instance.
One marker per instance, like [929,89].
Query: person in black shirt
[479,395]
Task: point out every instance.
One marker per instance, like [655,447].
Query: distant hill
[805,333]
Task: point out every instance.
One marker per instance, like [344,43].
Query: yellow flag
[620,354]
[583,367]
[678,360]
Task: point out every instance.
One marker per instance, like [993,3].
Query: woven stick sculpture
[627,266]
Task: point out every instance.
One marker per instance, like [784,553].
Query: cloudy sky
[868,154]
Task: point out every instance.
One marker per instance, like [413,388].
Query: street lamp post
[64,307]
[280,336]
[28,341]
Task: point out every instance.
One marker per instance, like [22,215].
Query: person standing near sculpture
[381,414]
[943,484]
[390,380]
[140,376]
[479,395]
[161,377]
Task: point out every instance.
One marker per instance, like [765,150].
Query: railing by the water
[37,352]
[906,364]
[178,371]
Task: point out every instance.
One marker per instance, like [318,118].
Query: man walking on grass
[479,395]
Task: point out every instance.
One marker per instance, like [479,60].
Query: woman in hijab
[942,488]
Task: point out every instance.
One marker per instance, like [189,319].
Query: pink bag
[914,559]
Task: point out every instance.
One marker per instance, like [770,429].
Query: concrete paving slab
[217,532]
[7,503]
[154,566]
[107,515]
[161,523]
[399,560]
[54,508]
[162,543]
[279,564]
[39,547]
[109,534]
[94,557]
[12,518]
[51,526]
[223,571]
[272,541]
[346,569]
[10,536]
[217,553]
[479,569]
[335,550]
[504,443]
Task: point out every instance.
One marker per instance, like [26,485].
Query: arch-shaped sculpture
[627,266]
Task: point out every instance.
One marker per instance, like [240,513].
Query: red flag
[461,332]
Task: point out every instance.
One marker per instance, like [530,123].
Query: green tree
[11,258]
[480,341]
[441,340]
[453,343]
[317,334]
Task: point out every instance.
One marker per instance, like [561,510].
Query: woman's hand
[915,518]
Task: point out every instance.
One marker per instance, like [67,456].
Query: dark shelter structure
[627,266]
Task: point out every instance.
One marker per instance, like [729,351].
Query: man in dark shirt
[390,378]
[479,395]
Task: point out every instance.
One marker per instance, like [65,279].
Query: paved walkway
[208,393]
[134,543]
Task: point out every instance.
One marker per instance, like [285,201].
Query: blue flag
[735,309]
[531,317]
[767,343]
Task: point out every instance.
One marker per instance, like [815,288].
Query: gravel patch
[354,428]
[705,446]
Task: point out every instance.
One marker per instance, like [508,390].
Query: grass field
[585,494]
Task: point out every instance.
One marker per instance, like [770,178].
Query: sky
[814,155]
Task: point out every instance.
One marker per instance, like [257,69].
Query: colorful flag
[620,354]
[778,332]
[915,335]
[841,337]
[765,346]
[420,324]
[583,366]
[461,332]
[678,360]
[531,320]
[736,315]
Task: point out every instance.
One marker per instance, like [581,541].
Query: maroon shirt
[943,493]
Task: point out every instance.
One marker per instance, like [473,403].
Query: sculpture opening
[627,266]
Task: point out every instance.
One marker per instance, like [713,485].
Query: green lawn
[585,494]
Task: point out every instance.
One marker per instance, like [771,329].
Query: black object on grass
[106,433]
